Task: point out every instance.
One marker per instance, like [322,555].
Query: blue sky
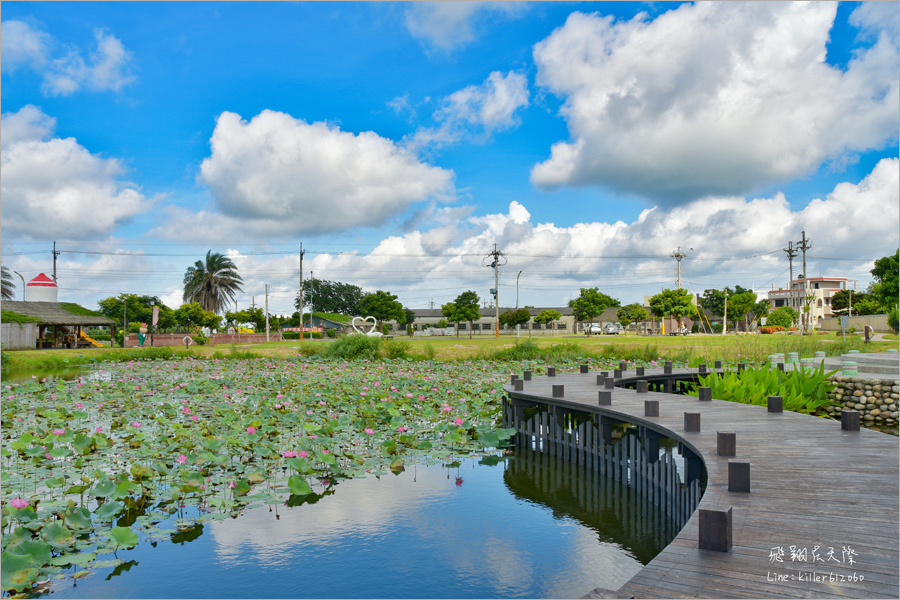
[400,142]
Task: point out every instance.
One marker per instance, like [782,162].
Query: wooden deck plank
[812,484]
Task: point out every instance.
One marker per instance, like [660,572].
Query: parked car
[611,329]
[593,330]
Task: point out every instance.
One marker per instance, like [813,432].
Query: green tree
[714,300]
[515,317]
[861,303]
[409,317]
[887,279]
[740,305]
[322,295]
[631,313]
[783,316]
[8,287]
[381,305]
[448,310]
[137,309]
[464,308]
[192,315]
[548,316]
[590,304]
[256,316]
[672,303]
[212,283]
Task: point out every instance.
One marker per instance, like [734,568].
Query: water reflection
[615,511]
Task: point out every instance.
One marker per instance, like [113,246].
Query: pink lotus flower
[409,394]
[279,396]
[195,418]
[99,430]
[445,408]
[47,456]
[181,459]
[401,429]
[77,404]
[18,503]
[59,432]
[278,407]
[302,454]
[231,484]
[202,486]
[186,410]
[251,430]
[369,431]
[321,403]
[324,451]
[135,424]
[458,421]
[290,454]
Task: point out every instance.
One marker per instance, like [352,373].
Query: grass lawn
[691,349]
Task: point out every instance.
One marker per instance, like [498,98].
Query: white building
[819,291]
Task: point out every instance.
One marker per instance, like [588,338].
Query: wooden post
[715,529]
[604,398]
[739,476]
[558,391]
[526,375]
[850,420]
[641,386]
[726,443]
[651,408]
[583,368]
[551,371]
[639,371]
[518,385]
[775,404]
[601,379]
[692,422]
[610,383]
[706,394]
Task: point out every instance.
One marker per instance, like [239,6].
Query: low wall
[876,322]
[876,400]
[177,339]
[18,336]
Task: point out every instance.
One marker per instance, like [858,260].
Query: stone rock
[859,406]
[892,406]
[858,393]
[869,418]
[875,412]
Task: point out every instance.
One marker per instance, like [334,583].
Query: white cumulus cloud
[713,98]
[451,25]
[285,176]
[53,187]
[476,110]
[22,45]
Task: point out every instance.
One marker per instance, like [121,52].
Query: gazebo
[51,324]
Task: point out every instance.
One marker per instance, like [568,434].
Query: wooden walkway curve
[822,519]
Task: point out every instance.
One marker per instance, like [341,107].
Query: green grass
[8,316]
[75,309]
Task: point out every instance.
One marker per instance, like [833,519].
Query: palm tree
[212,283]
[8,285]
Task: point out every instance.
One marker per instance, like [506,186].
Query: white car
[593,330]
[611,329]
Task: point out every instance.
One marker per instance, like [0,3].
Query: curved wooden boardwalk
[820,521]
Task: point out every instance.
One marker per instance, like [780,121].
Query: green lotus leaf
[109,510]
[39,552]
[298,486]
[77,518]
[57,534]
[76,558]
[103,489]
[17,572]
[125,489]
[76,489]
[140,472]
[241,488]
[123,537]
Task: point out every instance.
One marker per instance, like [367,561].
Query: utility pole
[252,302]
[517,300]
[301,290]
[725,316]
[805,244]
[310,313]
[267,312]
[791,252]
[495,264]
[55,254]
[678,255]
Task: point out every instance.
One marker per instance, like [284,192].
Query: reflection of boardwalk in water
[615,510]
[817,517]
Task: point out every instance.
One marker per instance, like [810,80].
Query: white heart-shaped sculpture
[367,321]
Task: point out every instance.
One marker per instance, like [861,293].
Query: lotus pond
[211,457]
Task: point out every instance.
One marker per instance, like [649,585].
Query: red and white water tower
[41,289]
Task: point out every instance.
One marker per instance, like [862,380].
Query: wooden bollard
[726,443]
[526,375]
[617,374]
[518,385]
[715,529]
[558,391]
[583,368]
[692,421]
[551,371]
[741,367]
[601,379]
[718,364]
[850,420]
[623,366]
[667,368]
[651,408]
[781,367]
[702,369]
[512,378]
[639,371]
[610,383]
[739,476]
[775,404]
[604,373]
[706,394]
[604,398]
[641,386]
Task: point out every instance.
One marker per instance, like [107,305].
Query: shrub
[771,328]
[312,349]
[200,338]
[354,346]
[331,333]
[394,349]
[892,320]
